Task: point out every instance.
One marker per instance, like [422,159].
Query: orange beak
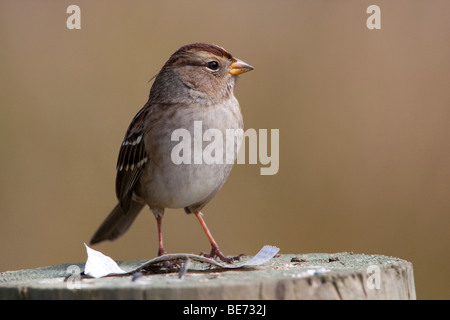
[239,66]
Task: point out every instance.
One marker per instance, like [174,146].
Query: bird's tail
[117,223]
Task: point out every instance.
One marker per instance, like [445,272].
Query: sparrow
[195,84]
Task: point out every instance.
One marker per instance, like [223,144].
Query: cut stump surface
[289,276]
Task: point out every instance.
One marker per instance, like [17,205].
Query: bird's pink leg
[215,251]
[161,250]
[172,264]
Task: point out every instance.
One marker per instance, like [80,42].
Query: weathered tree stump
[290,276]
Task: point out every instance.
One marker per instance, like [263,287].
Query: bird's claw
[216,253]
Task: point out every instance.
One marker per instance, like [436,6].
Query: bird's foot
[169,264]
[216,253]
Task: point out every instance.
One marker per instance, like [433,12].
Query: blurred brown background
[364,120]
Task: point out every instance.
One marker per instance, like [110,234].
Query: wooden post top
[287,276]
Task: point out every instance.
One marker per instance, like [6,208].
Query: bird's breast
[191,150]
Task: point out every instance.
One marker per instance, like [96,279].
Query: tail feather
[117,223]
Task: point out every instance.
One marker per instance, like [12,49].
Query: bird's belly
[179,186]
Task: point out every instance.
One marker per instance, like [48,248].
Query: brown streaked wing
[131,161]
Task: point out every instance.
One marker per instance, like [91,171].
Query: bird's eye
[213,65]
